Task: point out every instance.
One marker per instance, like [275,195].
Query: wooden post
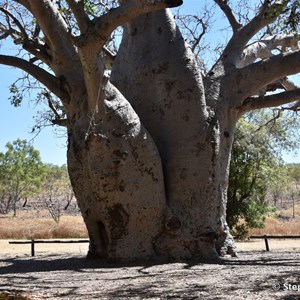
[267,244]
[32,247]
[293,207]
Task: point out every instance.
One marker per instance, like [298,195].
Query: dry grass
[39,225]
[284,225]
[275,226]
[13,296]
[289,212]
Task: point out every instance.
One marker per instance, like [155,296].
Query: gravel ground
[253,275]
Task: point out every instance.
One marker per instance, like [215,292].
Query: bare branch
[54,27]
[20,36]
[296,107]
[276,116]
[263,48]
[105,24]
[15,20]
[36,32]
[59,119]
[235,25]
[39,51]
[274,100]
[267,14]
[6,32]
[51,106]
[61,122]
[82,18]
[25,3]
[109,58]
[51,82]
[200,36]
[190,24]
[267,71]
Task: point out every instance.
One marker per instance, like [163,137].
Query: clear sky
[17,122]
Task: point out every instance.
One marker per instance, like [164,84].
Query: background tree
[149,142]
[5,199]
[56,191]
[257,170]
[279,184]
[294,172]
[21,173]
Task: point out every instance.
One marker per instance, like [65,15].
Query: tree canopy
[21,26]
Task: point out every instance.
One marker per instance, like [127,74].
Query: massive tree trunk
[150,176]
[191,128]
[150,166]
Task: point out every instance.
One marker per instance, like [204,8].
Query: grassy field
[284,225]
[39,225]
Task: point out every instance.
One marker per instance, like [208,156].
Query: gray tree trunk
[116,173]
[150,176]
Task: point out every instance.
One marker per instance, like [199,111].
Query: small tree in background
[294,173]
[56,191]
[21,173]
[5,200]
[257,169]
[294,192]
[279,184]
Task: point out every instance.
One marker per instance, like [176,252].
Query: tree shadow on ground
[51,263]
[149,292]
[75,263]
[264,259]
[144,281]
[151,280]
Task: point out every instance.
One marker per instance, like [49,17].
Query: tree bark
[117,178]
[160,77]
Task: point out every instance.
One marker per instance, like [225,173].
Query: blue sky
[17,122]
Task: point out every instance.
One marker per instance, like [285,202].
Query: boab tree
[149,143]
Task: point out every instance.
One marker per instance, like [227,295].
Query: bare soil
[60,271]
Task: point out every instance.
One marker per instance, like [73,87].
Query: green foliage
[279,183]
[256,168]
[294,172]
[293,16]
[16,96]
[23,175]
[93,8]
[21,172]
[289,20]
[279,8]
[90,7]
